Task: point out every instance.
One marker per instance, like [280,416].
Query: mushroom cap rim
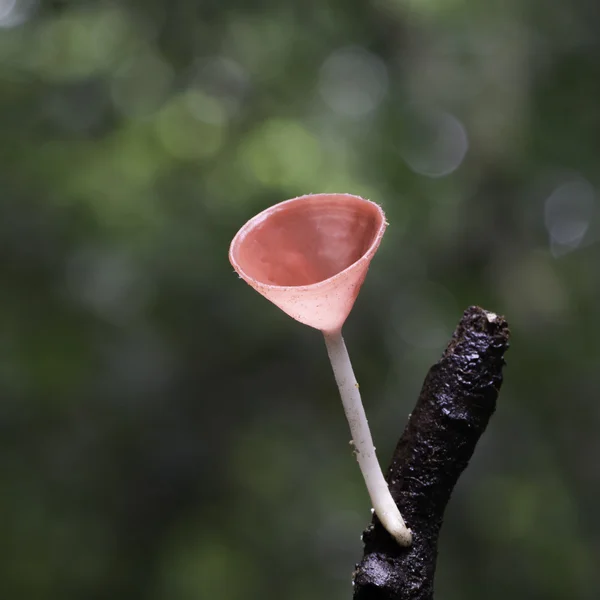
[264,214]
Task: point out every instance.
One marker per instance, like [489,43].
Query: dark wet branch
[456,402]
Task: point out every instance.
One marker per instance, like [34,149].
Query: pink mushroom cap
[310,255]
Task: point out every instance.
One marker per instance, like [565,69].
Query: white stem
[382,500]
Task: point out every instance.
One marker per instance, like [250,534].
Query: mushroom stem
[382,500]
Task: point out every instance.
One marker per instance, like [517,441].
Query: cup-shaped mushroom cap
[310,255]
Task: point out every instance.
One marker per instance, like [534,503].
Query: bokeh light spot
[434,144]
[192,126]
[567,214]
[282,153]
[78,43]
[15,12]
[224,79]
[205,108]
[353,82]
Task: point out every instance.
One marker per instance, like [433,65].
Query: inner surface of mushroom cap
[310,255]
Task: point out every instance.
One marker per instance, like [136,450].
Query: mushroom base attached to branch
[456,402]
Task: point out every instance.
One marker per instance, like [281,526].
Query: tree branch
[456,402]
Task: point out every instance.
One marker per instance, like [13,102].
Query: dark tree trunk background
[456,402]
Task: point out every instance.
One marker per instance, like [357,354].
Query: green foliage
[166,433]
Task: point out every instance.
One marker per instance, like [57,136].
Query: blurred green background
[165,432]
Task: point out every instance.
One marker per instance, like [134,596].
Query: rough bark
[456,402]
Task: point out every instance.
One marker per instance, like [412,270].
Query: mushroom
[310,256]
